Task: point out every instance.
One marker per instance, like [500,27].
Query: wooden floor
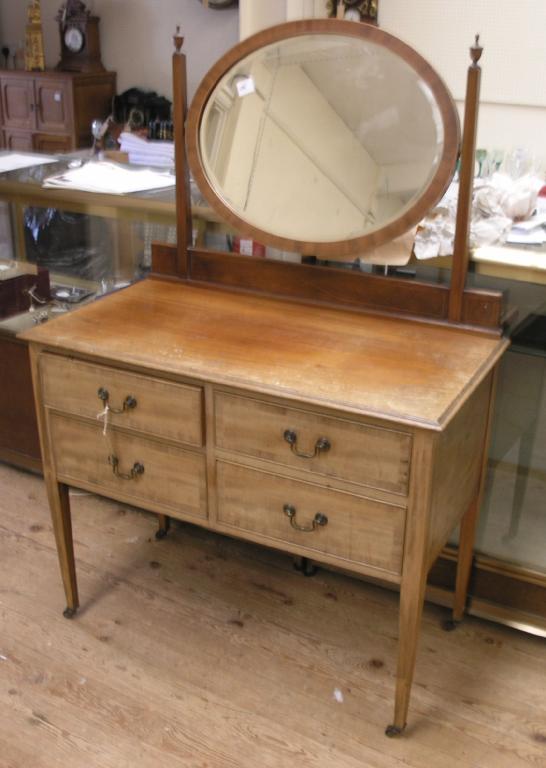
[204,652]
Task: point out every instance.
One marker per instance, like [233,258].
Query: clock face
[351,14]
[73,39]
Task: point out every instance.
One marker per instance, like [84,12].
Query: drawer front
[360,453]
[173,479]
[162,408]
[357,530]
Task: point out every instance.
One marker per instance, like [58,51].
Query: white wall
[136,42]
[136,37]
[513,111]
[513,95]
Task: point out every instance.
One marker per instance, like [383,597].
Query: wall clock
[80,41]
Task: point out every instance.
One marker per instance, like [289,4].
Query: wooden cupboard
[52,111]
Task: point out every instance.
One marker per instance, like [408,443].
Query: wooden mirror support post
[466,184]
[183,201]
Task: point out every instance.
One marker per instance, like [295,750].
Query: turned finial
[178,39]
[476,51]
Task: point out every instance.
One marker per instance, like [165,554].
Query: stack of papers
[110,178]
[143,152]
[13,161]
[529,232]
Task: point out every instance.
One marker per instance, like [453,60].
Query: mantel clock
[80,41]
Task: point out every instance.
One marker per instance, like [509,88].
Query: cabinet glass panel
[512,523]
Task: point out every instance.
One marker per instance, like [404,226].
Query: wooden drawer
[173,479]
[165,409]
[358,530]
[358,452]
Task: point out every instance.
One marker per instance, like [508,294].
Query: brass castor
[393,730]
[303,565]
[449,625]
[163,528]
[69,613]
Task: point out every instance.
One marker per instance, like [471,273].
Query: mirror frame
[346,247]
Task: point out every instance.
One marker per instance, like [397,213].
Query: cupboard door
[53,106]
[18,103]
[18,141]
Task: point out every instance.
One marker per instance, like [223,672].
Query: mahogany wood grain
[19,441]
[404,372]
[172,483]
[366,33]
[342,287]
[458,467]
[183,213]
[333,286]
[360,530]
[57,494]
[470,518]
[162,408]
[358,452]
[414,573]
[466,181]
[164,259]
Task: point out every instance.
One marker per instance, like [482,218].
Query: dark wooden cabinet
[53,111]
[19,443]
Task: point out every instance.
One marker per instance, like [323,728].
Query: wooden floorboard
[206,652]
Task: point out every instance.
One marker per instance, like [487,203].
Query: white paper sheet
[13,161]
[110,178]
[535,236]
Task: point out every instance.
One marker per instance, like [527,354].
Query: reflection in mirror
[321,138]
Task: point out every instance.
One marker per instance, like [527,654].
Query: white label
[245,247]
[245,86]
[57,96]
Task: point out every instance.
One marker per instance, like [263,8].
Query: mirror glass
[323,138]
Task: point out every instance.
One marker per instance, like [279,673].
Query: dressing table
[338,416]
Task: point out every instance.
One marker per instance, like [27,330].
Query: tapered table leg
[412,594]
[59,505]
[464,562]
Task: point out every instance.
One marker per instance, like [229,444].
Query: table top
[402,371]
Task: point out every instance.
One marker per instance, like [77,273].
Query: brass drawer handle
[129,402]
[322,445]
[136,470]
[318,521]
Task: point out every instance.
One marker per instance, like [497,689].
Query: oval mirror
[323,136]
